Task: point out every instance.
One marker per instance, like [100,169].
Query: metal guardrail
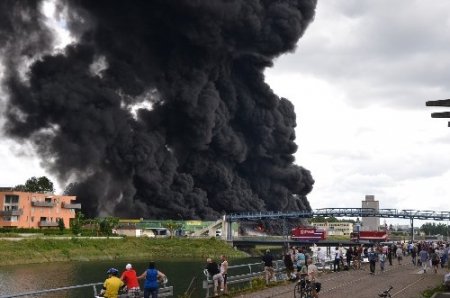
[163,292]
[93,285]
[255,270]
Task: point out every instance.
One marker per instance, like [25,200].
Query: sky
[359,80]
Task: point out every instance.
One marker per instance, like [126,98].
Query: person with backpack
[435,260]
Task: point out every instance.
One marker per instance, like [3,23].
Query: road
[408,282]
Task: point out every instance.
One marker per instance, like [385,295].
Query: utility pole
[439,103]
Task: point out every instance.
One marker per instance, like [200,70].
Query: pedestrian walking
[435,260]
[372,259]
[382,259]
[424,259]
[399,254]
[414,255]
[389,255]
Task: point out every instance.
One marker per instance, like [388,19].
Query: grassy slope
[52,250]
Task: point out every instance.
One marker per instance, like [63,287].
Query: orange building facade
[35,210]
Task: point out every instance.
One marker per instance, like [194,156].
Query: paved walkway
[408,282]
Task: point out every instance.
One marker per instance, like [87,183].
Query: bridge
[410,214]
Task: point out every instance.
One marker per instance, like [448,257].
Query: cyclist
[313,277]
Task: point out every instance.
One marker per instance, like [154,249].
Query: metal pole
[285,234]
[412,228]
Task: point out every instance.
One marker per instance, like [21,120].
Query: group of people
[129,282]
[423,254]
[299,265]
[218,273]
[429,254]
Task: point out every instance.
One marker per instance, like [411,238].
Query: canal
[24,278]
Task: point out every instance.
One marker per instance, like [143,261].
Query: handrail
[164,291]
[245,277]
[93,285]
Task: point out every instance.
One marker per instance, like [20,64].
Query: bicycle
[303,288]
[386,293]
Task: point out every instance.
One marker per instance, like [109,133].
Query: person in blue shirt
[152,278]
[373,257]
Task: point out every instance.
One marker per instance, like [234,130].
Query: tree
[61,225]
[433,229]
[107,224]
[77,223]
[40,184]
[172,227]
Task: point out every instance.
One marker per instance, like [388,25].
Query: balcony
[17,212]
[10,223]
[48,224]
[43,204]
[70,206]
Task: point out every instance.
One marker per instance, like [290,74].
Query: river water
[31,277]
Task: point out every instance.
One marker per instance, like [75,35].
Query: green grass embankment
[40,250]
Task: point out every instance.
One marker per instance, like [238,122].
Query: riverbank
[41,250]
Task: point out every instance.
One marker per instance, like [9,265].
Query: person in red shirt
[130,279]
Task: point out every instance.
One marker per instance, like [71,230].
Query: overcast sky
[359,80]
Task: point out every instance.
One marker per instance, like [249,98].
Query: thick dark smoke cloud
[216,138]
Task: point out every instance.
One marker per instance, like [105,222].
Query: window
[48,200]
[11,199]
[32,219]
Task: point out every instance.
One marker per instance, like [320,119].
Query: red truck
[369,236]
[308,234]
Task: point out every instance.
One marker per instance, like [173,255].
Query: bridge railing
[243,274]
[339,212]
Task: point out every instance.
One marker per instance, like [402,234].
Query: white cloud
[359,81]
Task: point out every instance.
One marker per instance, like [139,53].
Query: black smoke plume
[210,137]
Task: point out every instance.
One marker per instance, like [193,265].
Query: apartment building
[35,210]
